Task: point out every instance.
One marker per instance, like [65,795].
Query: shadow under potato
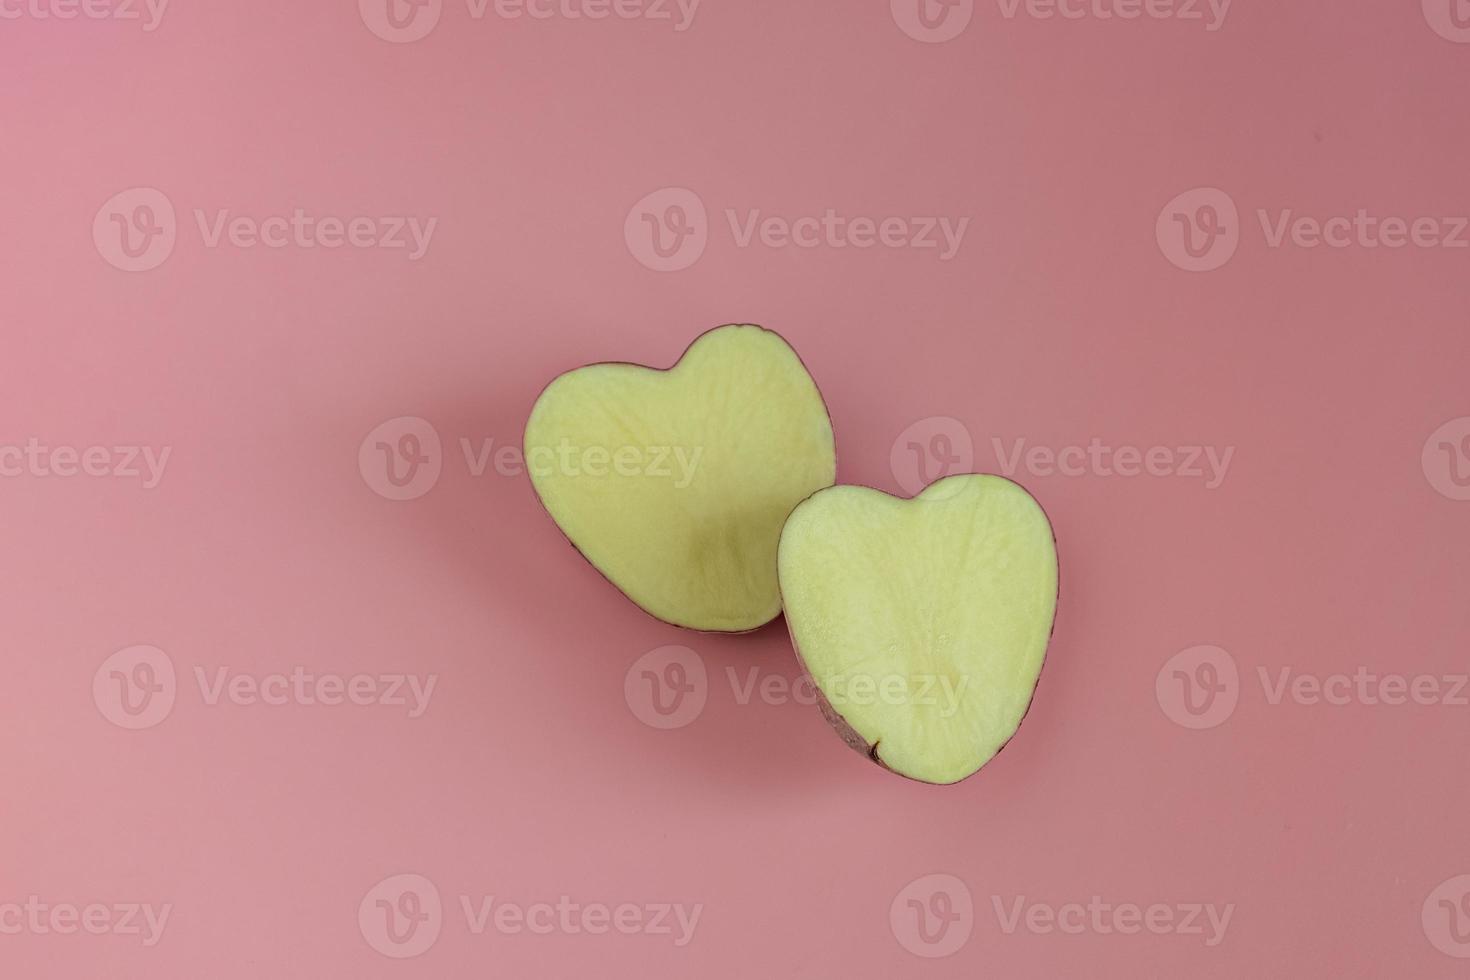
[491,529]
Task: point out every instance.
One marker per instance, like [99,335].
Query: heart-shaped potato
[675,483]
[923,623]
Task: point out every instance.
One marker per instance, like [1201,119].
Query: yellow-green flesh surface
[675,484]
[923,622]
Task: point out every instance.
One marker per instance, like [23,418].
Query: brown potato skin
[850,735]
[665,370]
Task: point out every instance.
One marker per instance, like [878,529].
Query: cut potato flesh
[675,484]
[922,622]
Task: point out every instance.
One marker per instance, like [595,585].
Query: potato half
[923,623]
[675,483]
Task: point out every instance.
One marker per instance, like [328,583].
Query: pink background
[1327,548]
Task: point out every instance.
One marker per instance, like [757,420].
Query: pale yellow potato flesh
[675,484]
[923,622]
